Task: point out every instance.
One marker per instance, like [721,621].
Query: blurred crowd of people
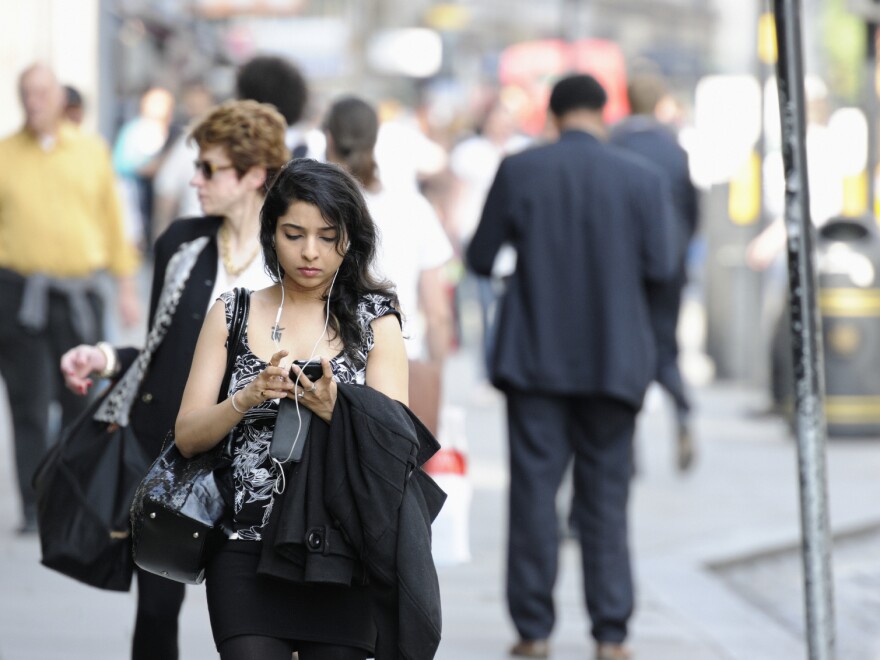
[472,191]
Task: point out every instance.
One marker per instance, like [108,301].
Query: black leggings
[258,647]
[158,608]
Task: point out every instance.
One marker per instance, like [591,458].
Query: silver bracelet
[234,407]
[111,366]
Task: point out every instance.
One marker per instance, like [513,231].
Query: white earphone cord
[280,482]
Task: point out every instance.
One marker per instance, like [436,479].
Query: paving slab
[738,504]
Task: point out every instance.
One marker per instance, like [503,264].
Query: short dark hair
[341,203]
[72,97]
[274,80]
[577,92]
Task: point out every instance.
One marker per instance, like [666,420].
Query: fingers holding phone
[316,387]
[271,383]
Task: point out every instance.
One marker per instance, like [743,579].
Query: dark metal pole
[871,108]
[806,337]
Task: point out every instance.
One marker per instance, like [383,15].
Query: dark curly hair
[339,199]
[274,80]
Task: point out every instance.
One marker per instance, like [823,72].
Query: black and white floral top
[253,472]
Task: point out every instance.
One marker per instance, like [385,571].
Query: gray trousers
[545,433]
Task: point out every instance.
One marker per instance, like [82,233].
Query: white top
[173,177]
[475,161]
[411,240]
[253,277]
[404,153]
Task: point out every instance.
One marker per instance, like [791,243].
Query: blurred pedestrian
[645,134]
[60,228]
[574,353]
[412,252]
[74,106]
[405,154]
[474,162]
[241,147]
[136,156]
[275,80]
[328,308]
[173,196]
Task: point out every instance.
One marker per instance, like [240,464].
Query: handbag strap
[116,405]
[240,311]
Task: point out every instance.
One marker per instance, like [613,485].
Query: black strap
[239,316]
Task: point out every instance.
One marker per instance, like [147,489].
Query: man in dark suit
[574,353]
[646,134]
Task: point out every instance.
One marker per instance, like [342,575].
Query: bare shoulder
[387,326]
[216,314]
[264,296]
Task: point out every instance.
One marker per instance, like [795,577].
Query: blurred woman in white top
[413,247]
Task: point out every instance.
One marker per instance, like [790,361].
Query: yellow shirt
[59,207]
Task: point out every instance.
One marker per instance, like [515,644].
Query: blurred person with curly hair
[277,81]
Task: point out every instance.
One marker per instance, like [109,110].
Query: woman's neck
[243,223]
[296,295]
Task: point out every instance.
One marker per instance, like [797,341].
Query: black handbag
[178,511]
[84,487]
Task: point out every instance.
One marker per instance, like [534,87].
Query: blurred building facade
[62,34]
[115,49]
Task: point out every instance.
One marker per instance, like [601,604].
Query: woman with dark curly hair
[326,308]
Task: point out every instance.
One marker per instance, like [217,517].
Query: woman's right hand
[78,364]
[273,382]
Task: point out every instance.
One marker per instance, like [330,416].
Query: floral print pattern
[254,474]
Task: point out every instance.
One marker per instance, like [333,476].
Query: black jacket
[158,400]
[657,144]
[591,225]
[358,509]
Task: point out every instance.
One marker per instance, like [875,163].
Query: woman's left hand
[318,396]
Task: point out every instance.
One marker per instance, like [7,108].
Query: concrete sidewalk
[695,538]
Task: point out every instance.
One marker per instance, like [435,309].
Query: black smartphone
[313,370]
[291,432]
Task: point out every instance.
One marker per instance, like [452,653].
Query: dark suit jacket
[590,225]
[158,401]
[658,145]
[359,506]
[649,139]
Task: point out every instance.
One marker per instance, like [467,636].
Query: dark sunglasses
[208,169]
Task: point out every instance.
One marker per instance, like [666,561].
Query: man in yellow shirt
[60,228]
